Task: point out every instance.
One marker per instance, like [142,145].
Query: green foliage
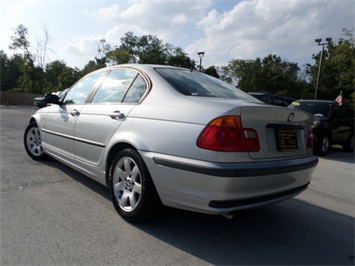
[118,56]
[59,76]
[270,74]
[212,71]
[337,69]
[148,49]
[20,41]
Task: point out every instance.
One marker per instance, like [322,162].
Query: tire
[33,142]
[322,147]
[349,144]
[132,191]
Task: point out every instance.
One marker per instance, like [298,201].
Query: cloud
[259,27]
[84,49]
[164,19]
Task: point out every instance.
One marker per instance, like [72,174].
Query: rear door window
[114,86]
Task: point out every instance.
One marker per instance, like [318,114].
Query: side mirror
[52,98]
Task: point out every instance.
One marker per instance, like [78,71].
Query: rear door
[118,94]
[342,123]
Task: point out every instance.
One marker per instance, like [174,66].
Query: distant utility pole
[328,40]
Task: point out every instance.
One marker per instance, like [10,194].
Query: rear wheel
[33,142]
[132,191]
[322,147]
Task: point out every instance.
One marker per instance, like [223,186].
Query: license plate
[286,140]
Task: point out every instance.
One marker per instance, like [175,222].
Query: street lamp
[201,54]
[328,40]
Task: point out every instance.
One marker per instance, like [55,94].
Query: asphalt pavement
[53,215]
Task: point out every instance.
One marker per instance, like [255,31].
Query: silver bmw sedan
[165,136]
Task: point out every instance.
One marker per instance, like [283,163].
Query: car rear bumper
[221,188]
[238,169]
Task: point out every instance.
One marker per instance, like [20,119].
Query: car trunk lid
[282,132]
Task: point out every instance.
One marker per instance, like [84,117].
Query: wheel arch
[111,155]
[33,120]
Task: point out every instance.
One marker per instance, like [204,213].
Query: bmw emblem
[290,117]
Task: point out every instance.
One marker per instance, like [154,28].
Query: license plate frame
[286,140]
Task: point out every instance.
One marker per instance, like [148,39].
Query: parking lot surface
[53,215]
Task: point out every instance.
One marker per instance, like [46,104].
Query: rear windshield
[316,108]
[194,83]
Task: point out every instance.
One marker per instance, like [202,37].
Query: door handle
[117,115]
[75,112]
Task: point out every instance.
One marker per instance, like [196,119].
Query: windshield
[316,108]
[194,83]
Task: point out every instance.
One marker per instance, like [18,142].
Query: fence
[17,98]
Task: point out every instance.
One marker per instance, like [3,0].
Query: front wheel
[322,147]
[132,191]
[33,142]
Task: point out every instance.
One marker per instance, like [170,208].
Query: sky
[223,29]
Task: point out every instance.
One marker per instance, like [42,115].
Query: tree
[118,56]
[148,49]
[177,57]
[270,74]
[42,47]
[338,68]
[20,41]
[102,49]
[59,76]
[30,75]
[212,71]
[89,67]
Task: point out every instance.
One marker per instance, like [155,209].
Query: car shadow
[292,232]
[288,233]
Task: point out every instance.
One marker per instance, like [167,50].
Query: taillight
[227,134]
[309,142]
[316,124]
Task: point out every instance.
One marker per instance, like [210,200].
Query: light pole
[201,54]
[328,40]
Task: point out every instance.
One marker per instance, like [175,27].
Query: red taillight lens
[309,142]
[227,134]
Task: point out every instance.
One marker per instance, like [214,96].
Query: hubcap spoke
[124,201]
[120,186]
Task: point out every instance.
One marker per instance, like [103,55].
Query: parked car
[273,99]
[334,124]
[40,102]
[167,136]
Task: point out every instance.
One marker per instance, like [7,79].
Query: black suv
[274,99]
[333,124]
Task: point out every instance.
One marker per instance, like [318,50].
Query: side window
[114,86]
[277,101]
[136,90]
[266,99]
[81,90]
